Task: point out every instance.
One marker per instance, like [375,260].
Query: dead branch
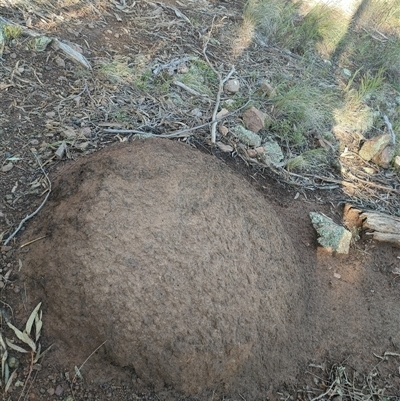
[29,216]
[220,86]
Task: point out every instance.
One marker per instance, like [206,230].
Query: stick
[29,216]
[31,242]
[220,86]
[175,134]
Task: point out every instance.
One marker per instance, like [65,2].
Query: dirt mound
[176,262]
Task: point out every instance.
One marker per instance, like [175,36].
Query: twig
[175,134]
[31,242]
[390,129]
[220,86]
[29,216]
[326,392]
[80,367]
[188,89]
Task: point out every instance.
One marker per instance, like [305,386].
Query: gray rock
[331,236]
[267,89]
[372,147]
[247,137]
[7,167]
[272,153]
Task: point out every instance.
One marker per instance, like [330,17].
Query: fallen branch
[190,90]
[220,86]
[29,216]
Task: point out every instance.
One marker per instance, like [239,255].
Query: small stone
[225,148]
[197,113]
[222,112]
[60,62]
[337,275]
[51,391]
[82,145]
[267,89]
[372,147]
[59,391]
[384,158]
[397,162]
[247,137]
[183,68]
[223,130]
[232,86]
[6,168]
[6,248]
[252,153]
[254,119]
[347,73]
[34,142]
[60,152]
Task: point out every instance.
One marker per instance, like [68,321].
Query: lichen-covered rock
[272,153]
[247,137]
[331,235]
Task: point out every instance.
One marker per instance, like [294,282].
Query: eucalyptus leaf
[16,347]
[3,365]
[2,342]
[32,317]
[9,382]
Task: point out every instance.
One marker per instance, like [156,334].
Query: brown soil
[196,281]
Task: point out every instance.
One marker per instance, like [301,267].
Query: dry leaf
[32,317]
[16,347]
[9,382]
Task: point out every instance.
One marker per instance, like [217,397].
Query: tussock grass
[200,77]
[302,108]
[311,159]
[12,32]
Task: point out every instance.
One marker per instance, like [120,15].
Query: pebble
[232,86]
[60,62]
[7,167]
[59,390]
[51,391]
[223,130]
